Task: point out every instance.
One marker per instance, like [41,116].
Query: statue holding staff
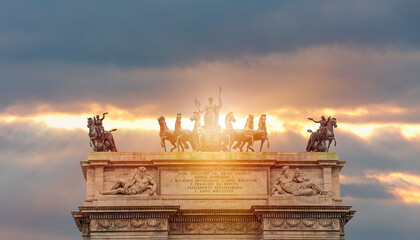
[211,112]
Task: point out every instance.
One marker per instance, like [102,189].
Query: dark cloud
[387,151]
[316,78]
[42,179]
[367,191]
[156,33]
[381,220]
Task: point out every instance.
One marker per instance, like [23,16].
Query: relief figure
[292,182]
[140,183]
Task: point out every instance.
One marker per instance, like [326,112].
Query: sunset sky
[64,61]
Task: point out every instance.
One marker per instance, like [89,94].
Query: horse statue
[242,137]
[183,136]
[256,135]
[166,134]
[197,131]
[228,133]
[317,143]
[100,142]
[261,133]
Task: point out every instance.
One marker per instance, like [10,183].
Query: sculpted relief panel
[301,224]
[214,227]
[140,183]
[134,224]
[292,182]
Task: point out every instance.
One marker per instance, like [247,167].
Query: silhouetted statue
[165,134]
[100,140]
[317,140]
[211,112]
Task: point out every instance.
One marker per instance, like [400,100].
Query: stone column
[327,178]
[99,179]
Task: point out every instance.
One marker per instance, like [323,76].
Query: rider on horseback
[249,125]
[322,131]
[98,125]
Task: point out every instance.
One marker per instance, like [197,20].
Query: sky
[63,61]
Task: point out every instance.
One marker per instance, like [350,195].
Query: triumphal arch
[213,190]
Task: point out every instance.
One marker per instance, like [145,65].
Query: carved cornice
[214,228]
[213,221]
[247,159]
[129,224]
[311,224]
[301,212]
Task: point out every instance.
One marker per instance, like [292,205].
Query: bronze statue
[295,184]
[197,130]
[166,134]
[210,137]
[261,133]
[183,136]
[322,126]
[228,134]
[248,135]
[211,112]
[140,183]
[100,140]
[245,136]
[98,124]
[317,140]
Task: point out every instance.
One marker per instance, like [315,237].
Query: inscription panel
[214,181]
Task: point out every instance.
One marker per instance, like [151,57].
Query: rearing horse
[183,135]
[166,134]
[228,134]
[99,143]
[261,133]
[315,146]
[258,135]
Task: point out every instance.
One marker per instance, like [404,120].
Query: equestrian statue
[318,140]
[100,140]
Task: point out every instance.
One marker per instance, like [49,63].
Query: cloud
[403,185]
[14,233]
[366,191]
[316,78]
[174,33]
[382,220]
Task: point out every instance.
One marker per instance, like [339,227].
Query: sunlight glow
[410,131]
[363,131]
[335,112]
[122,119]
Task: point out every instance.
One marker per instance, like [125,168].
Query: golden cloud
[281,120]
[405,186]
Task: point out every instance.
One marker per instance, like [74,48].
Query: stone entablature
[185,195]
[208,180]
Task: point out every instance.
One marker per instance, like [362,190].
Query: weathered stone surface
[203,194]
